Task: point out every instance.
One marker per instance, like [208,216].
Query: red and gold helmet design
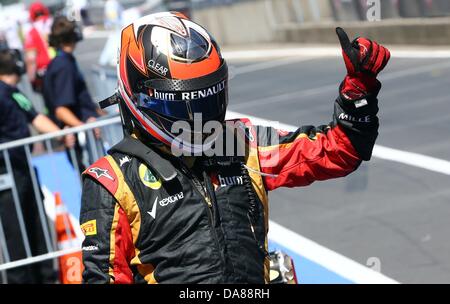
[170,69]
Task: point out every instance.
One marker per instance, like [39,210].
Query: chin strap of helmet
[127,123]
[111,100]
[129,128]
[136,148]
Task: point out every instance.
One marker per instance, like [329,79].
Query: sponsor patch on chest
[89,228]
[225,181]
[148,178]
[172,199]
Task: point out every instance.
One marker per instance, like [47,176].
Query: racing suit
[150,218]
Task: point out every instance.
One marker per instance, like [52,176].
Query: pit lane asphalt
[394,212]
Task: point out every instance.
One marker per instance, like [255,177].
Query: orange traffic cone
[70,265]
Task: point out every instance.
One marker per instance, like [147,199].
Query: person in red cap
[38,54]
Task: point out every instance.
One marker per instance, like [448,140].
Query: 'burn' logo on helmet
[198,94]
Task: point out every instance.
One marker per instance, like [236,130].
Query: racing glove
[356,107]
[364,59]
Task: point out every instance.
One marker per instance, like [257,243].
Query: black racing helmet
[170,70]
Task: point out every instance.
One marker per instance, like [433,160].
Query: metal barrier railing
[95,148]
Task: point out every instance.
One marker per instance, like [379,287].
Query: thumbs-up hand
[364,59]
[362,55]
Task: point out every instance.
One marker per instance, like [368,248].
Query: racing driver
[159,208]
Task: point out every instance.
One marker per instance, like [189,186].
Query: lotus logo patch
[148,178]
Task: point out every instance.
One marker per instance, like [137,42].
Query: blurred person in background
[3,42]
[152,216]
[113,14]
[38,53]
[11,32]
[64,89]
[16,115]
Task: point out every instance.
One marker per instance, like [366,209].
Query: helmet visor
[210,102]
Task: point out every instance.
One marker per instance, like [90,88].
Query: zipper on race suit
[211,195]
[203,190]
[204,193]
[252,210]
